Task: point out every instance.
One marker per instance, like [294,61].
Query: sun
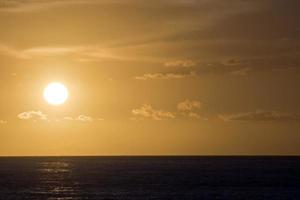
[56,93]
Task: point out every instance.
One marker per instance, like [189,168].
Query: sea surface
[149,178]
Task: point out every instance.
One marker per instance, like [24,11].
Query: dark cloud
[251,35]
[238,66]
[261,116]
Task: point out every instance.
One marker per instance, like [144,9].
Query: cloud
[180,63]
[233,66]
[52,51]
[188,105]
[165,76]
[27,5]
[192,115]
[189,108]
[88,53]
[261,116]
[80,53]
[83,118]
[206,31]
[83,52]
[40,116]
[33,115]
[147,111]
[245,66]
[31,5]
[186,109]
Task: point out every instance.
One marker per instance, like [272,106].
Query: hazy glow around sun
[56,93]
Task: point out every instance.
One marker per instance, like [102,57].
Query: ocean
[149,178]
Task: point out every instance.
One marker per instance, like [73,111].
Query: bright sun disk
[56,93]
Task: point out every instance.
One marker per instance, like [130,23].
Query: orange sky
[150,78]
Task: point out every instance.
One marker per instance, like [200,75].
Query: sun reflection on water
[55,181]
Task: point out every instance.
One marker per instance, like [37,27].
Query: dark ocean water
[148,178]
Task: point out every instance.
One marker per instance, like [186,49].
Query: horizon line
[149,155]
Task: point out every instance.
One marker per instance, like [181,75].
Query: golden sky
[176,77]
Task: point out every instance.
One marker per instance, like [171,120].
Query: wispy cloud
[206,32]
[83,118]
[180,63]
[165,76]
[32,5]
[40,116]
[80,53]
[147,111]
[77,52]
[245,66]
[261,116]
[29,5]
